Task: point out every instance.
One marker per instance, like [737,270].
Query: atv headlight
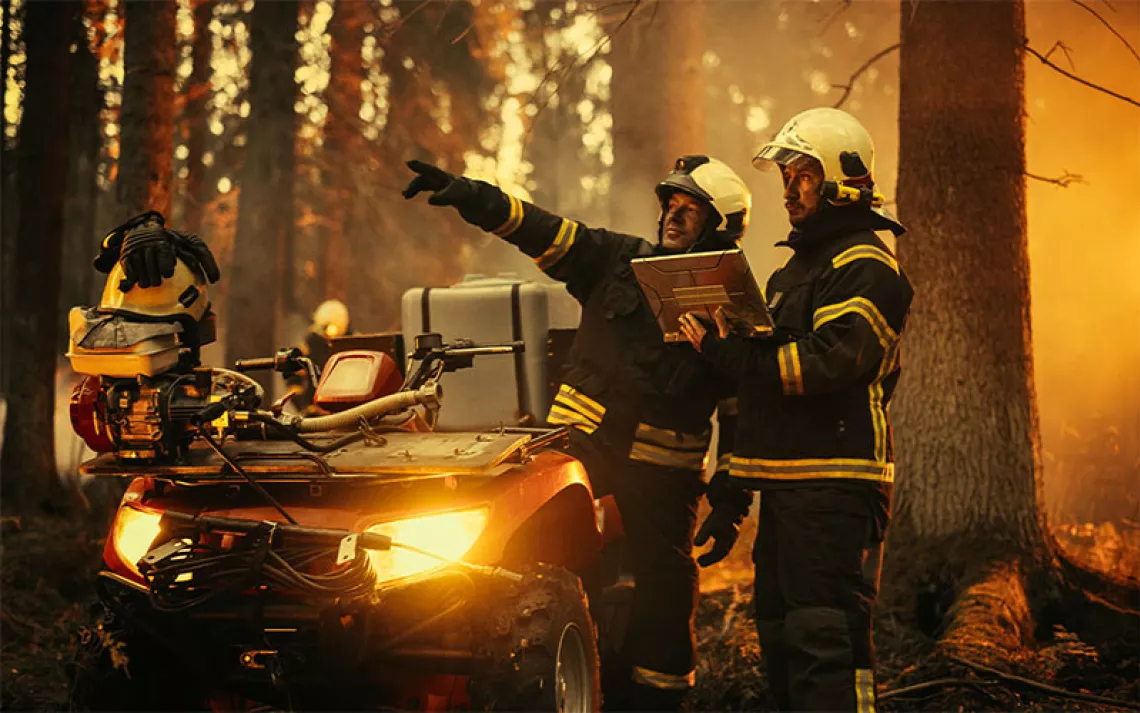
[448,536]
[134,533]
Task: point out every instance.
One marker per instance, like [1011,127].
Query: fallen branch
[855,75]
[919,687]
[1111,29]
[1064,180]
[1045,60]
[1054,690]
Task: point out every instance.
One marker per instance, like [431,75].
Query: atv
[262,560]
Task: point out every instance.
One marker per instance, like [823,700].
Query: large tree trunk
[27,466]
[344,150]
[658,104]
[968,502]
[265,214]
[78,286]
[7,196]
[193,124]
[147,135]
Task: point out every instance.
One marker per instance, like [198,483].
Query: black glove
[730,506]
[147,257]
[471,198]
[112,246]
[150,253]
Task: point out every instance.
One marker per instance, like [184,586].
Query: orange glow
[448,536]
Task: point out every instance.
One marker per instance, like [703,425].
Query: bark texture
[147,144]
[265,213]
[27,465]
[965,414]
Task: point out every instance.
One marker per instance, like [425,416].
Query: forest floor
[48,565]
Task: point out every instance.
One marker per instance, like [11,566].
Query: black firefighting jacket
[632,393]
[813,398]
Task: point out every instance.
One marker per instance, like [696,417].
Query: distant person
[813,432]
[330,320]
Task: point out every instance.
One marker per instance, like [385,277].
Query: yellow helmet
[181,297]
[330,318]
[844,148]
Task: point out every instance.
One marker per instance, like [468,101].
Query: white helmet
[331,318]
[841,145]
[712,181]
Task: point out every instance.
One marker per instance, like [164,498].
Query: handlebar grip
[254,364]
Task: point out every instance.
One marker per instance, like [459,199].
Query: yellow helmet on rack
[181,297]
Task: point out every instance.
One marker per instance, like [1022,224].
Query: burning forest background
[279,131]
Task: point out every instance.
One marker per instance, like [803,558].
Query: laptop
[702,283]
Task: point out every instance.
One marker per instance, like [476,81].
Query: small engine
[146,418]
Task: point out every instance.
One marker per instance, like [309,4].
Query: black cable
[238,469]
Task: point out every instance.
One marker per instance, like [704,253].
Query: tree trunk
[658,105]
[968,500]
[344,148]
[78,286]
[147,135]
[27,466]
[265,212]
[7,194]
[193,124]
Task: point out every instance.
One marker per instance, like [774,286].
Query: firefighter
[639,408]
[330,320]
[813,433]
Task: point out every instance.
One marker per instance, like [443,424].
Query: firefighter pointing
[639,409]
[813,432]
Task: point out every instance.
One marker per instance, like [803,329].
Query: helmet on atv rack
[842,146]
[330,318]
[182,297]
[713,182]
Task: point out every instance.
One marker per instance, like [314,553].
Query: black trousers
[818,554]
[658,508]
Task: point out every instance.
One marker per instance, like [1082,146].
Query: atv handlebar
[512,348]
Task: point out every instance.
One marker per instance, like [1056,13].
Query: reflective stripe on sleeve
[573,408]
[514,218]
[672,449]
[561,245]
[791,372]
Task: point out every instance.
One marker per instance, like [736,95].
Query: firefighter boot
[771,635]
[821,662]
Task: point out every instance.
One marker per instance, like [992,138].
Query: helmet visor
[772,154]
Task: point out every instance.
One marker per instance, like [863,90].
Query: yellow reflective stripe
[658,455]
[580,402]
[724,462]
[728,407]
[664,681]
[561,245]
[864,691]
[514,218]
[560,416]
[674,440]
[860,252]
[791,372]
[863,307]
[812,468]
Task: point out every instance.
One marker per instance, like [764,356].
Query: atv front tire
[536,647]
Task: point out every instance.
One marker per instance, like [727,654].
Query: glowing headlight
[449,535]
[134,534]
